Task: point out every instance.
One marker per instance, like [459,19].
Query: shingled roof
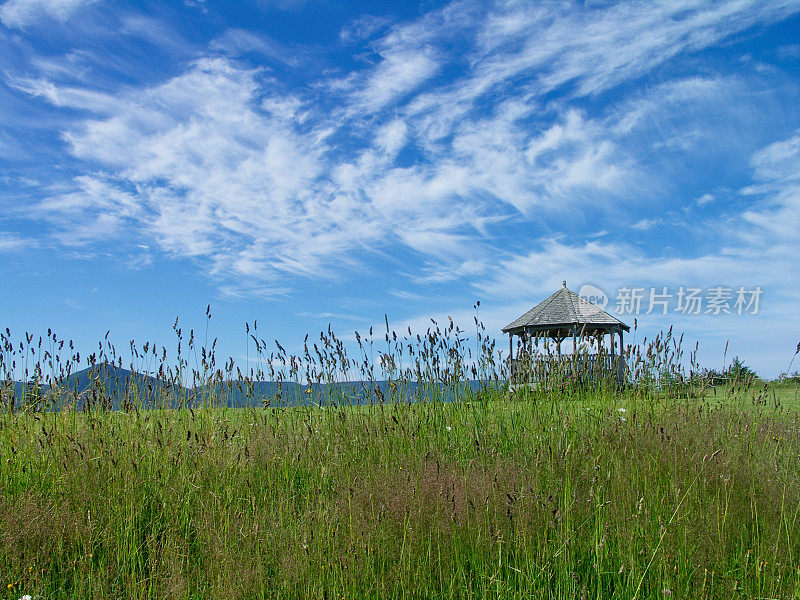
[564,309]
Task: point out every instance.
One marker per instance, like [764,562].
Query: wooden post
[613,359]
[510,355]
[575,370]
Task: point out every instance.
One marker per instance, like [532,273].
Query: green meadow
[677,490]
[531,496]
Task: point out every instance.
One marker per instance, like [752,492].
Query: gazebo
[561,316]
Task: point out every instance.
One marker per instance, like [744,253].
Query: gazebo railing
[585,367]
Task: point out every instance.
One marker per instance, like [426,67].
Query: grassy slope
[527,497]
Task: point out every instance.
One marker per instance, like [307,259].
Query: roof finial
[564,284]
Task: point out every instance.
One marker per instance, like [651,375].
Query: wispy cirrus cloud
[74,97]
[597,48]
[238,42]
[777,217]
[471,117]
[12,242]
[755,248]
[399,73]
[22,13]
[744,242]
[363,28]
[213,167]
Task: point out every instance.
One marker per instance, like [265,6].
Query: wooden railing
[583,367]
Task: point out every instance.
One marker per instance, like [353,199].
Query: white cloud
[501,157]
[22,13]
[12,242]
[777,218]
[220,163]
[599,48]
[399,73]
[211,166]
[362,28]
[575,50]
[95,209]
[236,42]
[755,248]
[69,97]
[645,224]
[391,137]
[706,198]
[778,161]
[213,175]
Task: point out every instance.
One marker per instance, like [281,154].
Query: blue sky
[314,162]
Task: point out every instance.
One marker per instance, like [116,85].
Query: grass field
[575,492]
[529,497]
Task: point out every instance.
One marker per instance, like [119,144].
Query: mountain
[112,387]
[103,385]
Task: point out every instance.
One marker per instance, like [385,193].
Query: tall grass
[657,488]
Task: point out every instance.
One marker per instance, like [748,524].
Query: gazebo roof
[562,310]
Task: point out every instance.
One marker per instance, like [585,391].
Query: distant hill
[115,388]
[104,385]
